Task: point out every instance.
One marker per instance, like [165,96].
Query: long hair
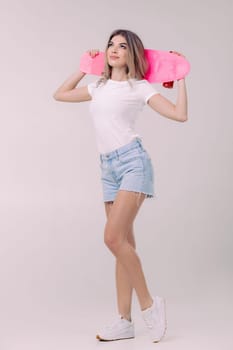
[136,62]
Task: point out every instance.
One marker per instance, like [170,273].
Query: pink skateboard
[164,67]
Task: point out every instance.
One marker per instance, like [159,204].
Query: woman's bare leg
[123,285]
[120,220]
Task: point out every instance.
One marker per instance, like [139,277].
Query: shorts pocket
[129,157]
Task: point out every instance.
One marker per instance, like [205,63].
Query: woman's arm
[68,92]
[163,106]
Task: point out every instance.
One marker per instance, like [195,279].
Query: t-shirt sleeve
[91,87]
[147,90]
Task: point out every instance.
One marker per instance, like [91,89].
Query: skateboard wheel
[168,84]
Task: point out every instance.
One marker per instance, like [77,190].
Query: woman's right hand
[93,52]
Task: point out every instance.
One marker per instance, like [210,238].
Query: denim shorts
[127,168]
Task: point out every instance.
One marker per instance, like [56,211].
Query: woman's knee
[113,239]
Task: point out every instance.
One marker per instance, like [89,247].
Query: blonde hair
[136,62]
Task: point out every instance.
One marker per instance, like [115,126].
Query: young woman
[127,172]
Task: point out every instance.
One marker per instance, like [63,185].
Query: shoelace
[149,324]
[149,321]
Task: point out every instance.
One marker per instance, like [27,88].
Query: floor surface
[202,325]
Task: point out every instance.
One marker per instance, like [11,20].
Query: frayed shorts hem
[148,195]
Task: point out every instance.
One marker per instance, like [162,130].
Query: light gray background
[57,277]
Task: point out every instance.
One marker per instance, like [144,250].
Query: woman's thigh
[130,234]
[121,214]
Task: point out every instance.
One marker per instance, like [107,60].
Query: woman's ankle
[147,304]
[126,317]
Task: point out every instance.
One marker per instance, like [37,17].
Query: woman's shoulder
[145,88]
[143,81]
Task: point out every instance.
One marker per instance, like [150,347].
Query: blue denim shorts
[127,168]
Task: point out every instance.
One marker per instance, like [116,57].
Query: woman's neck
[118,74]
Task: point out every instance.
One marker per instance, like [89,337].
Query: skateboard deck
[163,66]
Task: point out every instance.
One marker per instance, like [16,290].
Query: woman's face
[117,52]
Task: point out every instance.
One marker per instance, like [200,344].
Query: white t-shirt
[114,107]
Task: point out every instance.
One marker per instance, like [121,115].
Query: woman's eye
[121,46]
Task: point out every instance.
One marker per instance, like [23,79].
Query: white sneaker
[155,319]
[120,329]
